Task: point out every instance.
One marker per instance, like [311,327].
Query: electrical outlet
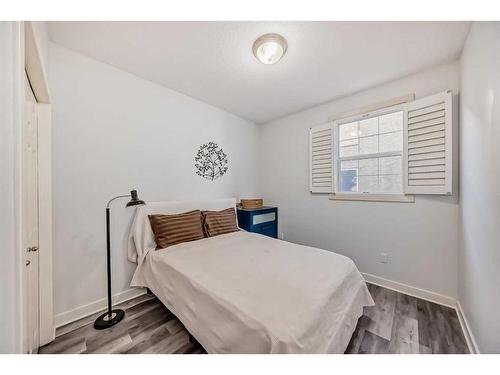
[281,235]
[384,258]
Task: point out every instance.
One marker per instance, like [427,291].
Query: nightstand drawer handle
[264,218]
[267,227]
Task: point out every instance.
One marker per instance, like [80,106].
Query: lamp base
[105,321]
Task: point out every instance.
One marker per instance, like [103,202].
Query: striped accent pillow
[219,222]
[173,229]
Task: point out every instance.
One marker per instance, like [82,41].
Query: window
[369,153]
[389,153]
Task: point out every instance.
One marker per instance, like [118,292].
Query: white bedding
[247,293]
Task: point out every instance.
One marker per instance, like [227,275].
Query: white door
[30,221]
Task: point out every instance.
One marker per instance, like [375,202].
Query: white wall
[113,131]
[41,32]
[421,238]
[479,256]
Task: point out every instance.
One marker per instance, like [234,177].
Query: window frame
[367,196]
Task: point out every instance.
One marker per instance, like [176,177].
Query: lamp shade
[134,199]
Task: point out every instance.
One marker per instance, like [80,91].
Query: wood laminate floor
[396,324]
[399,323]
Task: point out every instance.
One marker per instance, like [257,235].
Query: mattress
[247,293]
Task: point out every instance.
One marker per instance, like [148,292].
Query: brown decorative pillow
[219,222]
[173,229]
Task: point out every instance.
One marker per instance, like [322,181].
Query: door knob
[33,248]
[28,263]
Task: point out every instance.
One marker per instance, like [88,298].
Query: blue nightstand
[262,220]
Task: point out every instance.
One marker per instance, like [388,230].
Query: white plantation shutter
[427,144]
[321,158]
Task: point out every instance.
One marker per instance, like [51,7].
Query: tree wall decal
[210,161]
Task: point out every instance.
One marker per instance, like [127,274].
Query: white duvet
[247,293]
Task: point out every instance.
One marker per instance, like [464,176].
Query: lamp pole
[112,317]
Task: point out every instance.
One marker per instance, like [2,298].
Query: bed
[243,292]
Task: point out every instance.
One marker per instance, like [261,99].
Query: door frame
[15,182]
[31,63]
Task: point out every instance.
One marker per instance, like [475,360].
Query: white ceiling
[213,61]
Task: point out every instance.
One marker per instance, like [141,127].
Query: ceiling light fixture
[269,48]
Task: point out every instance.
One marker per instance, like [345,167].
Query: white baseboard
[411,290]
[96,306]
[469,337]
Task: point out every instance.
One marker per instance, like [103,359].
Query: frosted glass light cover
[269,48]
[269,53]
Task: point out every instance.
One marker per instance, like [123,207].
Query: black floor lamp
[111,317]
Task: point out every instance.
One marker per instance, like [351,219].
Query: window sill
[373,197]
